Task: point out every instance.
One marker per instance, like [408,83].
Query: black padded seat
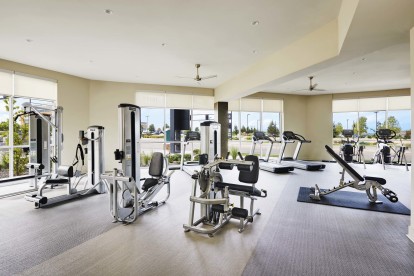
[57,181]
[148,183]
[240,188]
[380,180]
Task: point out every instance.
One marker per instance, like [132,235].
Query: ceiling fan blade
[209,77]
[181,77]
[314,86]
[318,90]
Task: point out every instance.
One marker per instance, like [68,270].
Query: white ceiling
[77,37]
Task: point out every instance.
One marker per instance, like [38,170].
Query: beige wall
[73,95]
[310,116]
[104,99]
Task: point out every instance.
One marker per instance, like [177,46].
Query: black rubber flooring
[355,200]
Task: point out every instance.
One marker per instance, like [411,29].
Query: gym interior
[199,138]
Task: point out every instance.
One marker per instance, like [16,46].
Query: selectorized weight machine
[128,198]
[44,121]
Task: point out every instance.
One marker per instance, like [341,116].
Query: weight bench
[369,184]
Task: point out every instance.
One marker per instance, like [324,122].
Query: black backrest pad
[252,176]
[156,165]
[66,171]
[345,165]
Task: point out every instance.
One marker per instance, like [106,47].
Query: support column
[411,228]
[221,110]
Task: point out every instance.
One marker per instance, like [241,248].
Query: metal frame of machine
[291,137]
[258,138]
[367,183]
[215,211]
[128,199]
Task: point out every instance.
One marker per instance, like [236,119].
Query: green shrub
[187,157]
[196,151]
[145,159]
[233,152]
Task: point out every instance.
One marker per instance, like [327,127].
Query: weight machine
[369,184]
[215,207]
[45,156]
[128,198]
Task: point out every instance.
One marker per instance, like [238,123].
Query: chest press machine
[215,207]
[128,198]
[368,184]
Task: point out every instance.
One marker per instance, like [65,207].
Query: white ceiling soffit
[126,44]
[374,56]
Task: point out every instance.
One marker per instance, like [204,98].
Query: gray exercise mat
[355,200]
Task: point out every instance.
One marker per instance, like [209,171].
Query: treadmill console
[289,135]
[348,133]
[192,136]
[260,135]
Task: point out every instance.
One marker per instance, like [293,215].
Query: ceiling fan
[312,86]
[197,77]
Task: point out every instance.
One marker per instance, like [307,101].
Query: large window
[250,115]
[155,119]
[366,116]
[16,89]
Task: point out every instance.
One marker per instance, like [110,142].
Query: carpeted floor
[289,238]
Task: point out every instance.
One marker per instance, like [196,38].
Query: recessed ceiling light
[29,40]
[254,52]
[255,23]
[163,44]
[108,11]
[364,59]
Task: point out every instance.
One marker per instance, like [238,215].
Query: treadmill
[291,137]
[258,138]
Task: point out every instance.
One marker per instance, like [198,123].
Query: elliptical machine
[351,148]
[383,153]
[128,198]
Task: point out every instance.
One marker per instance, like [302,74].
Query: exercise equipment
[210,145]
[210,137]
[190,137]
[214,195]
[128,198]
[291,137]
[45,136]
[369,184]
[94,139]
[351,148]
[265,164]
[383,154]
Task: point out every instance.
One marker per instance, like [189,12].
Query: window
[366,116]
[155,121]
[249,115]
[16,89]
